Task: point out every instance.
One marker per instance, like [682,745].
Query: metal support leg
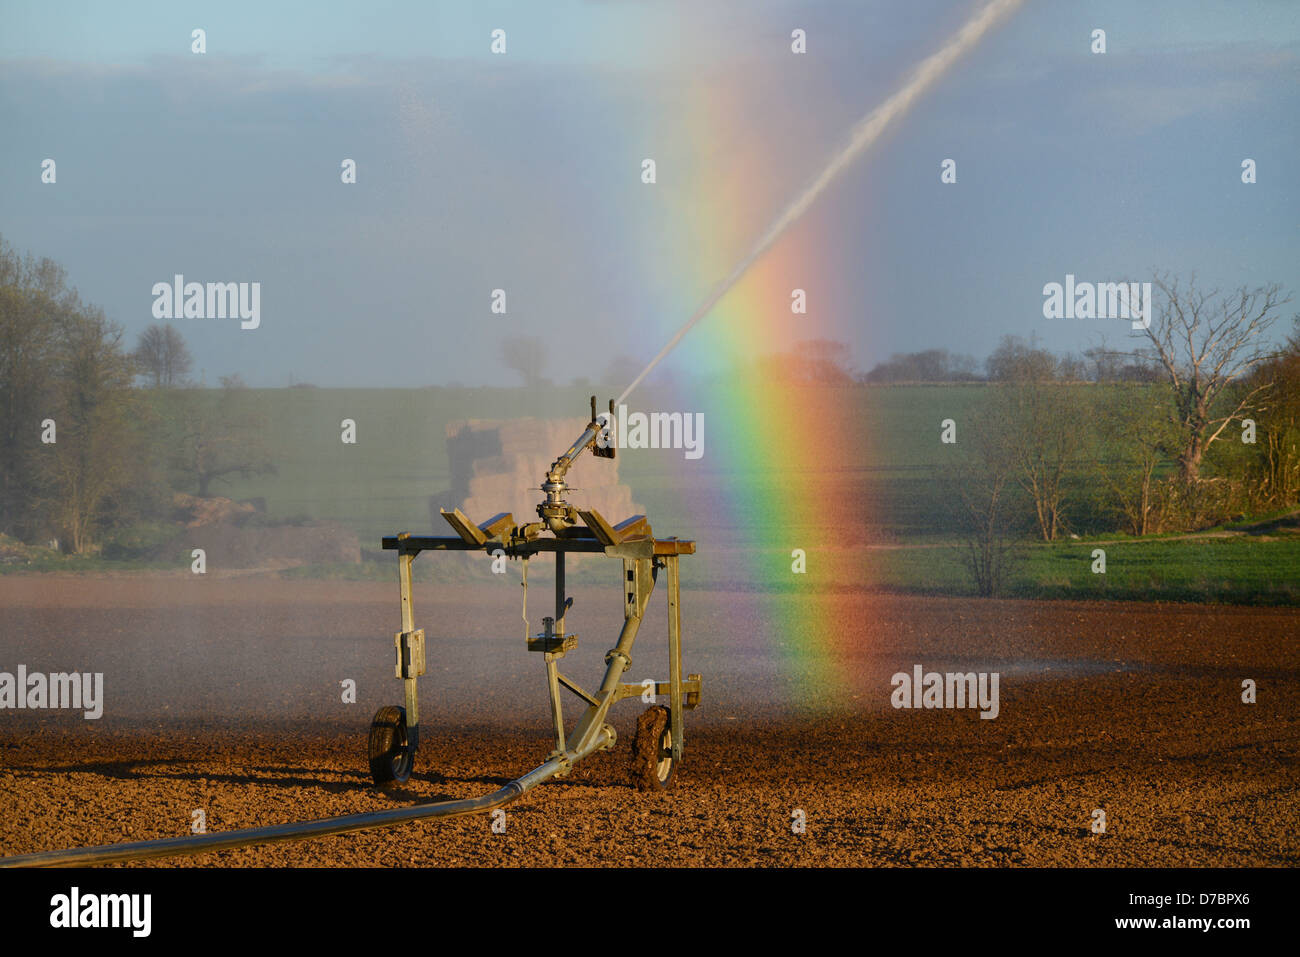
[557,712]
[561,604]
[638,582]
[408,624]
[675,656]
[552,670]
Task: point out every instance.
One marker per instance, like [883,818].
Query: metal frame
[642,557]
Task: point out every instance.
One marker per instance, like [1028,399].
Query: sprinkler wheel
[652,751]
[390,753]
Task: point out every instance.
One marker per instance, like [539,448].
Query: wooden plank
[466,529]
[604,532]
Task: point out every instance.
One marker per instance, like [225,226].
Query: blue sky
[478,171]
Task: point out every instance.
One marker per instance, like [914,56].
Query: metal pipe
[554,485]
[574,450]
[617,661]
[561,606]
[301,830]
[552,669]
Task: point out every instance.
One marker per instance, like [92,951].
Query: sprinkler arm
[588,438]
[555,510]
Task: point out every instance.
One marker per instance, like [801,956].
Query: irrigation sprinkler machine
[394,737]
[562,528]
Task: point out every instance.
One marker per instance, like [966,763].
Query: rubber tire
[653,738]
[390,757]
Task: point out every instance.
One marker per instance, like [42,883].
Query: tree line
[1195,423]
[1208,432]
[1198,423]
[82,449]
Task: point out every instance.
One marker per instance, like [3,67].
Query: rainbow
[771,445]
[782,447]
[776,447]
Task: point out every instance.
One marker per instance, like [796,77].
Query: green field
[384,482]
[395,476]
[1227,570]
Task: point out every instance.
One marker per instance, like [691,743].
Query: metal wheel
[652,751]
[390,754]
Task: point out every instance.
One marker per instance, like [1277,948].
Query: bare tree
[823,361]
[525,355]
[1205,341]
[1137,445]
[1110,365]
[1105,363]
[163,356]
[809,362]
[932,365]
[983,489]
[220,435]
[1014,358]
[1072,368]
[1040,413]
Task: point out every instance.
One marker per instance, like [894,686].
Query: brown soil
[223,694]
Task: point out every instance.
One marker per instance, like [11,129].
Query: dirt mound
[196,512]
